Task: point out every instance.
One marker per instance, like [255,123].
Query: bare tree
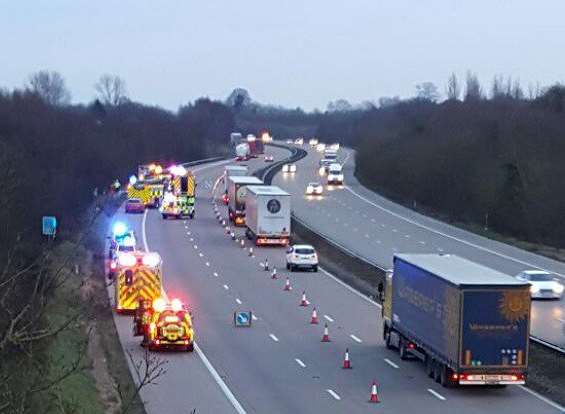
[50,86]
[111,90]
[473,90]
[517,92]
[427,91]
[147,371]
[497,88]
[388,101]
[453,89]
[339,105]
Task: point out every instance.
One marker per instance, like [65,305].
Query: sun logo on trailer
[514,305]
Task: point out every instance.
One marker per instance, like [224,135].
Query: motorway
[279,365]
[375,228]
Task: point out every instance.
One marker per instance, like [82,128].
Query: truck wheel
[287,266]
[291,267]
[402,350]
[430,366]
[190,348]
[164,216]
[315,268]
[437,371]
[444,376]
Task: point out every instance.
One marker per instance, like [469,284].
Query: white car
[314,189]
[269,158]
[301,256]
[335,146]
[313,142]
[289,168]
[299,141]
[544,285]
[321,147]
[289,141]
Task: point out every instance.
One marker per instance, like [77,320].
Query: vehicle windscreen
[304,251]
[541,277]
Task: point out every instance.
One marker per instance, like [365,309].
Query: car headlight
[309,189]
[558,288]
[534,289]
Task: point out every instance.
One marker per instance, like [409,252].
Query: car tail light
[454,376]
[113,265]
[186,341]
[411,345]
[157,342]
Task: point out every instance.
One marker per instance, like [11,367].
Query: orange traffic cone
[287,286]
[346,361]
[374,398]
[303,302]
[314,319]
[326,336]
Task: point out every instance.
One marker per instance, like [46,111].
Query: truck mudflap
[492,379]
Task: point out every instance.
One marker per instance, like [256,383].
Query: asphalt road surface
[280,365]
[375,228]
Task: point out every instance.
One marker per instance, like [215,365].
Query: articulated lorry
[237,191]
[468,323]
[267,215]
[232,171]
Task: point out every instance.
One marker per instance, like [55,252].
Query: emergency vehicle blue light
[120,228]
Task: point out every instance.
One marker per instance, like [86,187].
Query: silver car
[544,285]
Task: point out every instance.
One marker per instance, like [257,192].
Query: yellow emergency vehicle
[138,276]
[170,326]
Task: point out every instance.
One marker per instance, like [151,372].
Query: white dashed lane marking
[328,318]
[356,339]
[238,301]
[436,394]
[392,364]
[333,394]
[274,338]
[226,287]
[299,362]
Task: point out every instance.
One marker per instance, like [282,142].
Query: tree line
[58,159]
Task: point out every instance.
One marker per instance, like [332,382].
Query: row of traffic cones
[373,398]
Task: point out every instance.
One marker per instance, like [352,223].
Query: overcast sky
[294,53]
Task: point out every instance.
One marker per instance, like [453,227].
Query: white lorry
[242,152]
[237,191]
[335,174]
[232,171]
[267,216]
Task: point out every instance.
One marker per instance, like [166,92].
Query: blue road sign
[49,225]
[242,318]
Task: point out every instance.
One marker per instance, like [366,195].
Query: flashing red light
[411,346]
[454,376]
[186,341]
[157,342]
[113,265]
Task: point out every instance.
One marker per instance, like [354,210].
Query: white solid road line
[392,364]
[436,394]
[356,339]
[558,407]
[468,243]
[333,394]
[238,301]
[227,392]
[329,319]
[143,235]
[353,290]
[274,338]
[299,362]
